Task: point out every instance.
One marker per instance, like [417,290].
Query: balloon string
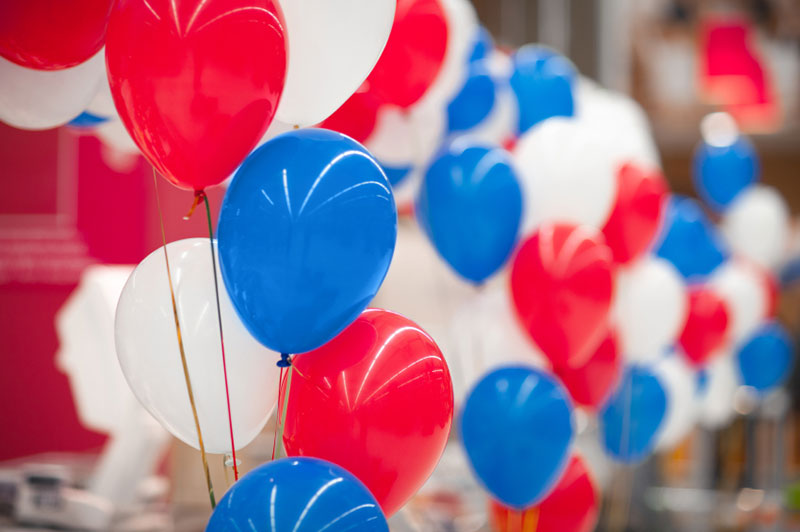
[530,520]
[275,435]
[284,362]
[186,377]
[203,195]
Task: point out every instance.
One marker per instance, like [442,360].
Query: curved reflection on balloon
[376,400]
[298,495]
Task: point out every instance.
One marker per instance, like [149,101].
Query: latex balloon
[636,215]
[746,294]
[307,230]
[756,226]
[148,352]
[470,206]
[516,428]
[650,307]
[413,54]
[35,99]
[301,495]
[46,35]
[632,417]
[473,103]
[365,398]
[86,120]
[356,117]
[590,384]
[332,48]
[196,82]
[543,82]
[766,358]
[573,506]
[680,386]
[717,397]
[482,44]
[706,328]
[567,176]
[561,284]
[689,241]
[722,172]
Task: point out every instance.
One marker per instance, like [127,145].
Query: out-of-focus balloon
[725,163]
[482,44]
[544,82]
[636,215]
[332,48]
[517,428]
[680,385]
[196,82]
[356,117]
[298,494]
[706,328]
[306,233]
[746,294]
[650,307]
[119,151]
[470,206]
[148,352]
[765,359]
[572,506]
[86,120]
[756,225]
[414,53]
[46,35]
[689,240]
[566,175]
[367,398]
[632,417]
[36,99]
[722,381]
[590,384]
[561,284]
[474,101]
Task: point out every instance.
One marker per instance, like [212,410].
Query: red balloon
[356,117]
[573,506]
[48,35]
[376,400]
[196,82]
[706,325]
[413,54]
[591,383]
[561,285]
[636,216]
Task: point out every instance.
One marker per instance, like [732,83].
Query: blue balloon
[86,120]
[517,428]
[765,359]
[689,240]
[722,172]
[543,82]
[475,100]
[396,174]
[470,206]
[632,416]
[482,45]
[306,233]
[298,495]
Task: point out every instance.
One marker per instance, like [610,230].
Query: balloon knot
[285,361]
[199,196]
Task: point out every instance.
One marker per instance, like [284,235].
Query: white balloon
[39,99]
[716,408]
[680,384]
[102,103]
[148,352]
[650,307]
[332,48]
[119,151]
[756,225]
[743,288]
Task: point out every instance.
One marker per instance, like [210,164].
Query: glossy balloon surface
[561,284]
[474,101]
[470,206]
[572,506]
[543,82]
[632,417]
[306,234]
[46,35]
[376,400]
[300,495]
[590,384]
[706,328]
[766,358]
[196,82]
[516,428]
[721,173]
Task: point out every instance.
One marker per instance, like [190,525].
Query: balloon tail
[202,195]
[186,377]
[282,418]
[198,197]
